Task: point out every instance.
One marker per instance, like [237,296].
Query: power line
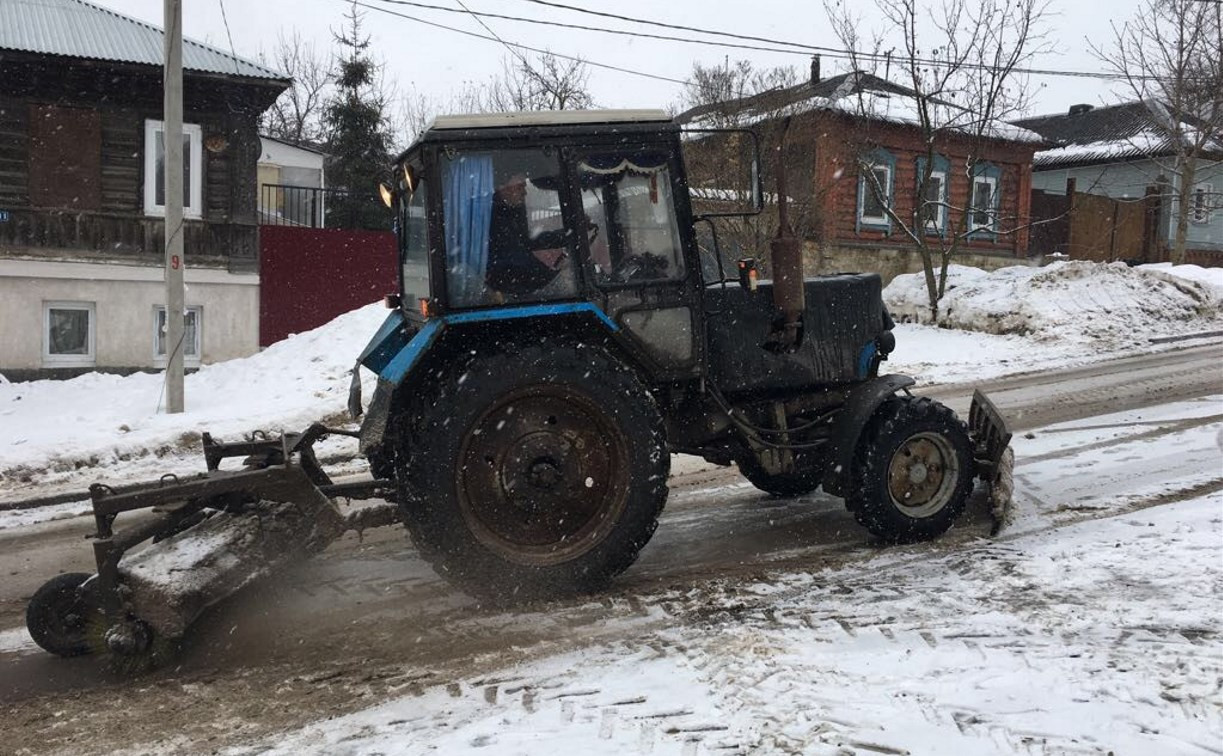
[824,51]
[679,27]
[480,21]
[225,20]
[831,52]
[464,32]
[581,27]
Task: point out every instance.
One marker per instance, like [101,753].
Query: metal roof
[1115,133]
[1088,125]
[544,118]
[857,94]
[77,29]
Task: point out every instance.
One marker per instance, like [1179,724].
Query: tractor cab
[585,214]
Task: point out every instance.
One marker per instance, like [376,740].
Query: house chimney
[1076,110]
[815,69]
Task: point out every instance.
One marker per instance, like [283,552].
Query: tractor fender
[846,429]
[400,347]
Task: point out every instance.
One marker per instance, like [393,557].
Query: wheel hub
[542,471]
[922,475]
[545,473]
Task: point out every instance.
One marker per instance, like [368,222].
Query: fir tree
[358,138]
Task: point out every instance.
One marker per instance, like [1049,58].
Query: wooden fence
[1093,227]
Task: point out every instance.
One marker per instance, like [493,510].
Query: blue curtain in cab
[468,209]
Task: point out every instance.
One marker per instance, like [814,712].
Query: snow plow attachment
[993,457]
[211,535]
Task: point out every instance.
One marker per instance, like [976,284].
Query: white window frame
[195,135]
[867,188]
[989,211]
[938,222]
[159,358]
[69,360]
[1206,190]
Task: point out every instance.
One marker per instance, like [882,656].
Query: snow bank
[52,429]
[1212,277]
[1108,305]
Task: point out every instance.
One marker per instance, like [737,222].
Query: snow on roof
[1088,134]
[893,108]
[78,29]
[1139,145]
[854,94]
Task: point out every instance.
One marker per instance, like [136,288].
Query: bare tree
[296,116]
[546,82]
[737,94]
[959,59]
[1168,55]
[721,88]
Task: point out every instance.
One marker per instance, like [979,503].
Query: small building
[1107,188]
[845,128]
[291,184]
[82,196]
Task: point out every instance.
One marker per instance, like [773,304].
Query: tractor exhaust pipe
[789,293]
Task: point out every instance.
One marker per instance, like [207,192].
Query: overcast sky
[437,61]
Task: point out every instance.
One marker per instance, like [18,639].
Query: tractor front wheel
[913,470]
[538,474]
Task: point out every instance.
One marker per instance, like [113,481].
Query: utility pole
[173,140]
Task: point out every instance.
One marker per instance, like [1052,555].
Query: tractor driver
[518,263]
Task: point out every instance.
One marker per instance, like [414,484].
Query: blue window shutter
[877,157]
[987,170]
[941,165]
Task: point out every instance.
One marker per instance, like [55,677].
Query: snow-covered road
[750,625]
[1059,641]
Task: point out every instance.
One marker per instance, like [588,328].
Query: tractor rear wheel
[913,471]
[805,479]
[541,473]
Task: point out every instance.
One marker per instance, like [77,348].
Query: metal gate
[308,276]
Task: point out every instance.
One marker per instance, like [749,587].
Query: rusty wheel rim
[922,475]
[543,475]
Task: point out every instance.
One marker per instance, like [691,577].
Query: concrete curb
[1185,337]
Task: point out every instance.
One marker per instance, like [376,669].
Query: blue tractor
[560,332]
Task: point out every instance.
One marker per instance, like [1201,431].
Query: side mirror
[385,192]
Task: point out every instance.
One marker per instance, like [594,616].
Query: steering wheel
[644,266]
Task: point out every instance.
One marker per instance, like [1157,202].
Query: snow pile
[1110,306]
[51,429]
[1212,277]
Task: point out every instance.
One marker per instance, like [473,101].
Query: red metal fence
[308,276]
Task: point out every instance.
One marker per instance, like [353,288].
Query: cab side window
[504,229]
[627,197]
